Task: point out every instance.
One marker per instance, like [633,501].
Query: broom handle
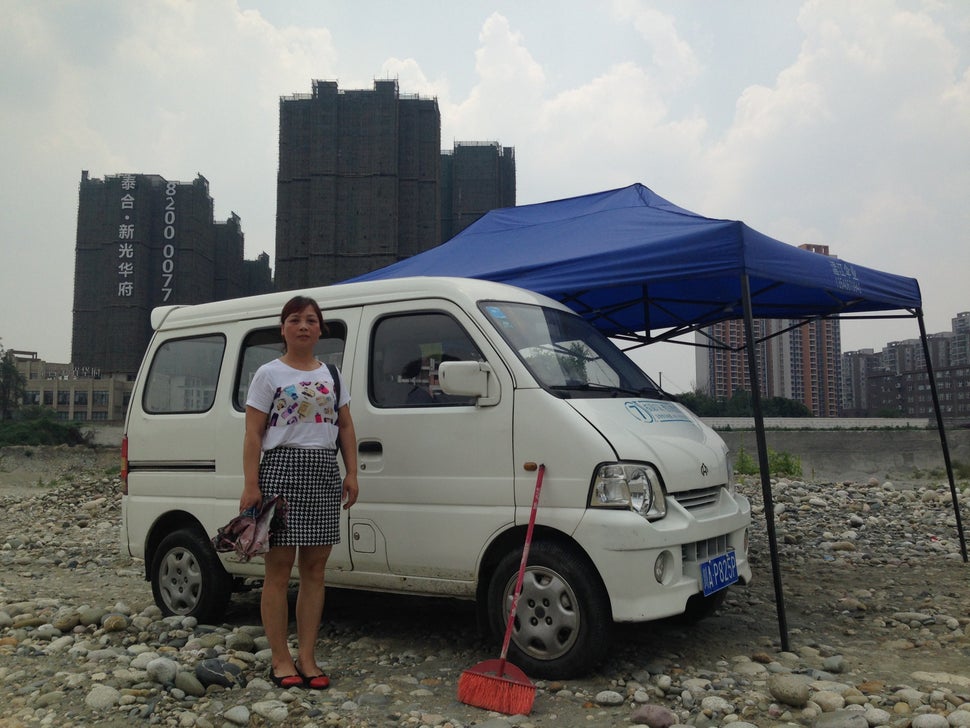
[521,577]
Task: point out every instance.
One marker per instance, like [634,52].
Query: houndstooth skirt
[309,479]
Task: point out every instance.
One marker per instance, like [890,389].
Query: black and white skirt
[309,479]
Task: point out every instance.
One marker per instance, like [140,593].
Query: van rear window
[183,375]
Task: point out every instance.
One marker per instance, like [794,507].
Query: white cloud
[411,78]
[865,138]
[673,58]
[855,134]
[507,93]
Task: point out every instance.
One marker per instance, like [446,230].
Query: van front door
[435,470]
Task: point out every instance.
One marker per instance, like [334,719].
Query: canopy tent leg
[942,430]
[759,426]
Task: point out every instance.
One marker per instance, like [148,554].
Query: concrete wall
[821,423]
[104,435]
[837,455]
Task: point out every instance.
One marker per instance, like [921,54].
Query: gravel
[877,601]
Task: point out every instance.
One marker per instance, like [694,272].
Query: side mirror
[468,379]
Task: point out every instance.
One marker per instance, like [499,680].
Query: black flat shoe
[287,681]
[314,682]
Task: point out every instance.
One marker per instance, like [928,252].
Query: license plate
[719,572]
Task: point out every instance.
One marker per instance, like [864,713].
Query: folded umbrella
[248,533]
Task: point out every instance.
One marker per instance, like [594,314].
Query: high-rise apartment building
[358,182]
[144,241]
[960,345]
[894,382]
[722,367]
[797,361]
[475,177]
[857,368]
[363,183]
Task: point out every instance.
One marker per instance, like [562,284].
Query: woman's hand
[350,490]
[251,498]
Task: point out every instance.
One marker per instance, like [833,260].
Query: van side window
[404,357]
[265,345]
[184,374]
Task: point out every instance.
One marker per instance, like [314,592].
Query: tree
[740,405]
[12,384]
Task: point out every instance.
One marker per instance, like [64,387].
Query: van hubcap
[547,619]
[180,581]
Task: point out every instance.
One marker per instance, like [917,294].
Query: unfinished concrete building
[475,177]
[358,182]
[144,241]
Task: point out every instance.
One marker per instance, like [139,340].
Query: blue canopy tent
[642,269]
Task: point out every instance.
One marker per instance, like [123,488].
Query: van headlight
[629,485]
[729,462]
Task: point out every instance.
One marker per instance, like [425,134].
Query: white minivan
[460,388]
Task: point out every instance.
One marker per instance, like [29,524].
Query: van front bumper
[626,549]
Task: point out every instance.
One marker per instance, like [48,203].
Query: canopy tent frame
[765,472]
[631,262]
[749,345]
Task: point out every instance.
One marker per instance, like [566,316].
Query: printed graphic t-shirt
[299,404]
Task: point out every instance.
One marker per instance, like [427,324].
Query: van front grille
[699,498]
[704,550]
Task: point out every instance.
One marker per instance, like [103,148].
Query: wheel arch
[513,539]
[167,523]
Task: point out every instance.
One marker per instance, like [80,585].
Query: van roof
[466,291]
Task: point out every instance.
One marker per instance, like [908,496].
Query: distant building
[857,368]
[894,381]
[358,182]
[796,360]
[722,368]
[144,241]
[475,177]
[75,395]
[363,183]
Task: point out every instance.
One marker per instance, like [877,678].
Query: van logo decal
[649,410]
[704,470]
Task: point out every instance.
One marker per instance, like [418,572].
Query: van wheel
[563,620]
[188,579]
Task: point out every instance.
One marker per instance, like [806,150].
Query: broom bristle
[495,693]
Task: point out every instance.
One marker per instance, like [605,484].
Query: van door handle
[370,456]
[369,447]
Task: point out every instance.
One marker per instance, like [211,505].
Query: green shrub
[744,464]
[961,470]
[39,426]
[779,463]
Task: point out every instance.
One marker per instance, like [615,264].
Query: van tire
[563,621]
[188,579]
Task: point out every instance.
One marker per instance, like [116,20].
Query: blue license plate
[719,572]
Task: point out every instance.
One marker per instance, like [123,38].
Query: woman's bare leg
[309,605]
[274,607]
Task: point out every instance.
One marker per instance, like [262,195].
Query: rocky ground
[877,602]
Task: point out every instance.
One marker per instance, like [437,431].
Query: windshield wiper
[592,387]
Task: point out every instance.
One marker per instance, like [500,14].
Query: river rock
[219,672]
[789,689]
[655,716]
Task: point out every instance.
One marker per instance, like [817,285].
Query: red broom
[497,684]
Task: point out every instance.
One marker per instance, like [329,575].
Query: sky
[815,121]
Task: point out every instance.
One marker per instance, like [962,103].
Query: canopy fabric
[630,261]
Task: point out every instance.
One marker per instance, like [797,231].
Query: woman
[293,425]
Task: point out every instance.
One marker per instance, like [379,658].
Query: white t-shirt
[299,405]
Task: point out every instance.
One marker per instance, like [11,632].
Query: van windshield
[566,354]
